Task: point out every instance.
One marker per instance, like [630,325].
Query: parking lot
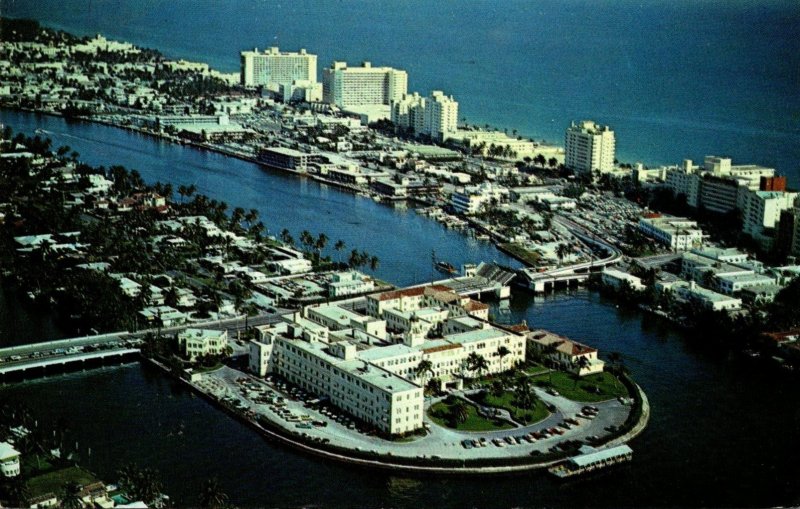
[300,412]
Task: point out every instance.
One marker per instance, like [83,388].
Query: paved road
[116,339]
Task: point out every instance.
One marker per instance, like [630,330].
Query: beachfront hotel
[435,116]
[362,86]
[589,147]
[273,68]
[364,354]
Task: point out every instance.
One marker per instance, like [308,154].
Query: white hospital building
[364,354]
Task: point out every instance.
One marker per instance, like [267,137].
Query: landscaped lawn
[207,369]
[521,415]
[608,386]
[534,368]
[440,411]
[53,482]
[517,250]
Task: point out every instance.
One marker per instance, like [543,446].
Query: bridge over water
[39,359]
[540,282]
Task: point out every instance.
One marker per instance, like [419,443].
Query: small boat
[445,267]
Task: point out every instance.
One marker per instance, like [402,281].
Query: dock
[592,459]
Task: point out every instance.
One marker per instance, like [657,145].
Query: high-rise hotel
[273,68]
[589,147]
[362,86]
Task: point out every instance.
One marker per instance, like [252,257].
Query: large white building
[677,233]
[761,210]
[435,116]
[195,343]
[362,86]
[589,147]
[470,199]
[273,68]
[717,184]
[367,364]
[408,112]
[441,116]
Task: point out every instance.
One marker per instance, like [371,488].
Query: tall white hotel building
[273,68]
[362,86]
[589,147]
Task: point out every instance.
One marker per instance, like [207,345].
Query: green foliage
[140,483]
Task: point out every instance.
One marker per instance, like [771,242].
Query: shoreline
[515,465]
[496,241]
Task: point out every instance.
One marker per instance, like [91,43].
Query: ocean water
[675,79]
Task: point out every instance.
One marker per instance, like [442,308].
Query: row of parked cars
[588,412]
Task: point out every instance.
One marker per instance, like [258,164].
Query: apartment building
[362,86]
[677,233]
[273,68]
[589,147]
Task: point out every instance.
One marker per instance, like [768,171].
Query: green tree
[523,394]
[211,495]
[423,369]
[502,352]
[71,498]
[459,411]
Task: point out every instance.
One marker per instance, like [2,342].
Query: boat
[591,459]
[443,266]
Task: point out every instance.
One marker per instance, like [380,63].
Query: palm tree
[320,243]
[614,358]
[307,239]
[286,237]
[373,263]
[549,353]
[211,495]
[523,394]
[140,484]
[17,491]
[502,352]
[425,367]
[459,411]
[561,252]
[339,247]
[72,497]
[579,364]
[477,363]
[251,216]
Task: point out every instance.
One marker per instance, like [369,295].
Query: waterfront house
[196,343]
[617,279]
[565,352]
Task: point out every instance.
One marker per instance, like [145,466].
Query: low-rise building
[568,354]
[286,159]
[9,460]
[349,283]
[618,279]
[693,293]
[195,343]
[471,199]
[677,233]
